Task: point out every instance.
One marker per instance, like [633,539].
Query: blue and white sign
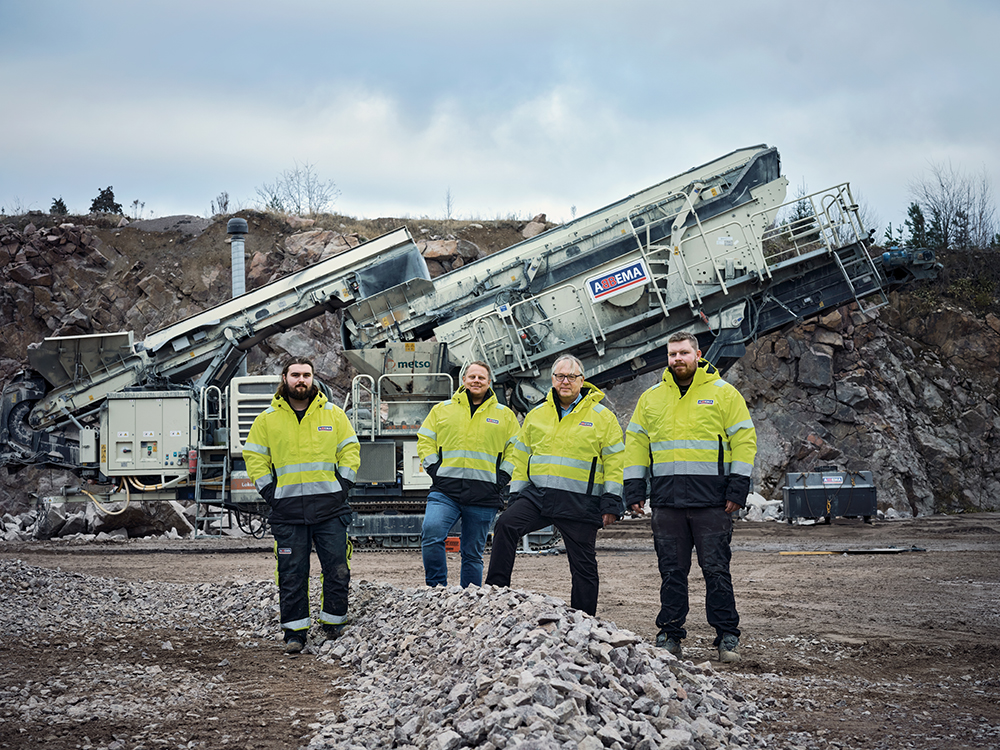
[617,280]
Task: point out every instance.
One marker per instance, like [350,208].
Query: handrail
[205,391]
[517,333]
[357,388]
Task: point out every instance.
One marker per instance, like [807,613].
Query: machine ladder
[828,221]
[211,476]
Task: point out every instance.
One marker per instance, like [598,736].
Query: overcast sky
[514,108]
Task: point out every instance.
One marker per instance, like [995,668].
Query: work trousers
[440,516]
[293,544]
[709,531]
[524,517]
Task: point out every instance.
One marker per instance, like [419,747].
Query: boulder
[532,229]
[815,369]
[437,249]
[76,523]
[51,522]
[138,519]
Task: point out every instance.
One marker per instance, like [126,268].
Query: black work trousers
[293,545]
[709,531]
[524,517]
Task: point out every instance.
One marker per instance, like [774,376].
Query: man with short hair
[567,473]
[303,457]
[465,444]
[692,439]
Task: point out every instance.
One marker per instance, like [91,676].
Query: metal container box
[826,493]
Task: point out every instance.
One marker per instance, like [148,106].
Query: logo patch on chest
[325,428]
[586,424]
[493,421]
[706,401]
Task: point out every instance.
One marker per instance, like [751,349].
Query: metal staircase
[211,477]
[827,222]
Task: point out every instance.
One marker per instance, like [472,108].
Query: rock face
[909,394]
[911,398]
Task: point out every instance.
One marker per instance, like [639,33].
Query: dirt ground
[864,648]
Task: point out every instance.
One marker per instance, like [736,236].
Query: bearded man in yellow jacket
[568,462]
[692,440]
[303,457]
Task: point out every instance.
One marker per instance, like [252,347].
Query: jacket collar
[462,397]
[590,394]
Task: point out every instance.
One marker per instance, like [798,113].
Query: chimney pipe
[237,230]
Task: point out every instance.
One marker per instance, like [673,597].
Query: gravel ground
[158,643]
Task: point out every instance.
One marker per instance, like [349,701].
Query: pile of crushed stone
[430,668]
[500,668]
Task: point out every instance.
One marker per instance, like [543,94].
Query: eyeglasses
[565,378]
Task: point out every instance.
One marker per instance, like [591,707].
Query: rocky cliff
[909,393]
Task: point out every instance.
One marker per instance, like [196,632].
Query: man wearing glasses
[568,463]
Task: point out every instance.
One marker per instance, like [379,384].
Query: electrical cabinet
[414,476]
[148,432]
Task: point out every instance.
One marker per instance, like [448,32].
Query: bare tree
[867,215]
[220,205]
[959,205]
[16,207]
[982,212]
[449,204]
[298,191]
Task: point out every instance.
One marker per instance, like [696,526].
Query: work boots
[332,632]
[672,645]
[295,643]
[729,648]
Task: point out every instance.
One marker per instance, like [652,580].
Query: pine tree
[58,207]
[916,225]
[937,236]
[105,203]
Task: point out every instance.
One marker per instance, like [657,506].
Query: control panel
[148,432]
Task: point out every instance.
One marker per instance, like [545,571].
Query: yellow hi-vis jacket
[298,466]
[571,467]
[469,456]
[696,450]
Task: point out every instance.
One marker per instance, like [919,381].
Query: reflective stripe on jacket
[696,451]
[305,457]
[466,453]
[576,462]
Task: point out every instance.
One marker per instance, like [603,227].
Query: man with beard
[691,438]
[303,457]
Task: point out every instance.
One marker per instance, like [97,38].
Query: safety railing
[823,220]
[510,329]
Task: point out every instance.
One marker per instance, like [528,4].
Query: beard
[682,370]
[299,394]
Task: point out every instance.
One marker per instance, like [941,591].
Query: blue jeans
[440,515]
